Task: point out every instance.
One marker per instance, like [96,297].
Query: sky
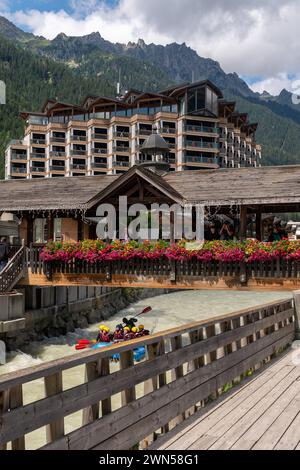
[259,40]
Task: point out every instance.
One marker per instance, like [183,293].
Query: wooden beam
[243,222]
[157,282]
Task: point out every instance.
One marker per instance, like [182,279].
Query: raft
[138,353]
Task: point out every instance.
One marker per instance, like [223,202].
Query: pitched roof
[51,193]
[265,185]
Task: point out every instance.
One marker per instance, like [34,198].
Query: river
[168,311]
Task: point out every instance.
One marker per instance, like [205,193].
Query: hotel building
[105,135]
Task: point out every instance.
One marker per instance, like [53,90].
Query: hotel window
[57,230]
[40,231]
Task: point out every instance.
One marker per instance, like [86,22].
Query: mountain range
[68,68]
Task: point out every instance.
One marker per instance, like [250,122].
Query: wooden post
[4,405]
[91,413]
[50,227]
[243,222]
[258,223]
[16,401]
[53,386]
[177,373]
[127,361]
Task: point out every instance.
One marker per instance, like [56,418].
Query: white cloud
[253,38]
[275,84]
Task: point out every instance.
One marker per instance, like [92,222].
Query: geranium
[93,251]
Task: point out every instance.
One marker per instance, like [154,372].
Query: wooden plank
[216,409]
[222,416]
[53,386]
[264,422]
[158,282]
[126,362]
[38,414]
[91,413]
[183,392]
[259,403]
[281,426]
[18,377]
[4,406]
[16,401]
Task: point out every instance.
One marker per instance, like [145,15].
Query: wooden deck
[261,414]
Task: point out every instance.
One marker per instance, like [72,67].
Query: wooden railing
[13,271]
[128,404]
[279,268]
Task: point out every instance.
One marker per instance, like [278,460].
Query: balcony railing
[199,160]
[38,155]
[37,169]
[57,168]
[99,151]
[18,170]
[122,164]
[99,136]
[205,145]
[99,165]
[171,145]
[191,128]
[38,141]
[17,156]
[80,138]
[61,140]
[78,152]
[168,130]
[144,132]
[121,149]
[77,166]
[57,154]
[121,135]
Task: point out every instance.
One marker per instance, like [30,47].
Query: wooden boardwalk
[261,414]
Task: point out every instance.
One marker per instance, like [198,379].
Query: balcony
[144,132]
[99,151]
[57,168]
[99,165]
[78,152]
[167,130]
[38,141]
[121,135]
[201,160]
[203,145]
[18,170]
[58,140]
[57,154]
[18,156]
[96,136]
[80,138]
[121,164]
[201,129]
[37,169]
[120,149]
[78,166]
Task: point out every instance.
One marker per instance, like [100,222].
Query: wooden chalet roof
[224,187]
[51,193]
[265,185]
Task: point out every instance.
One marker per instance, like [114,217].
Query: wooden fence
[128,404]
[277,268]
